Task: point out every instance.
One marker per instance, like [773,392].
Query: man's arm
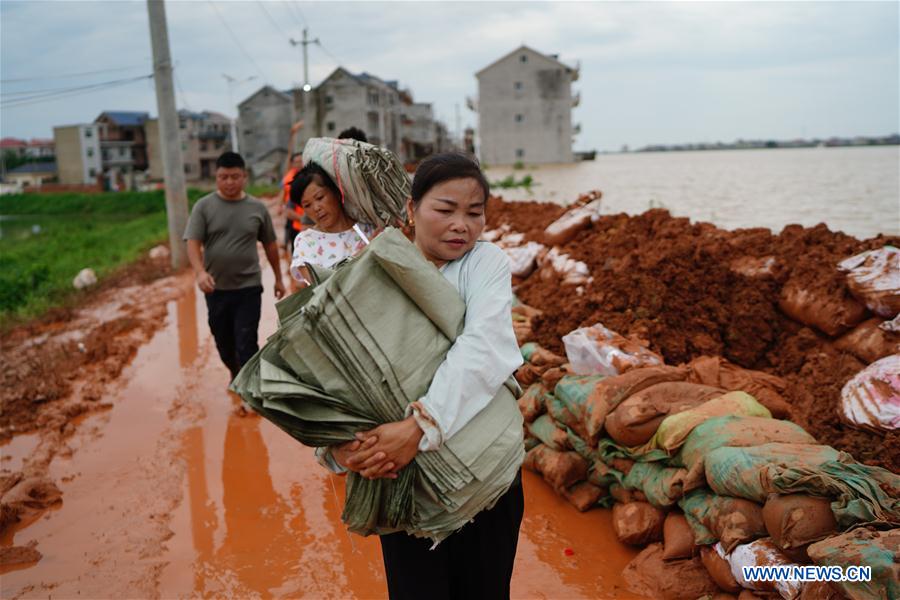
[205,281]
[271,249]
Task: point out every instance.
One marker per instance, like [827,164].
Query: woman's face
[322,206]
[449,219]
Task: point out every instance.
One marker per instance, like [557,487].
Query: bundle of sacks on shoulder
[702,470]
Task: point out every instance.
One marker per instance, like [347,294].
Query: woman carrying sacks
[447,209]
[334,236]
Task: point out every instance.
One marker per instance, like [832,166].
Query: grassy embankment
[48,238]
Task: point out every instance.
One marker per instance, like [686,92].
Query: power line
[54,92]
[13,103]
[237,41]
[71,75]
[296,5]
[332,56]
[291,12]
[180,89]
[274,23]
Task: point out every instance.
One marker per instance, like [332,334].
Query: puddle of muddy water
[14,451]
[170,494]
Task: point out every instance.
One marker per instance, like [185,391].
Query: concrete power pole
[169,138]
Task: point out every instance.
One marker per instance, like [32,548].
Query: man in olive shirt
[221,240]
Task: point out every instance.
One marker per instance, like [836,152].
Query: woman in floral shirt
[335,236]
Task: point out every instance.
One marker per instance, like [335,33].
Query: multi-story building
[525,109]
[35,148]
[204,136]
[264,126]
[78,156]
[32,174]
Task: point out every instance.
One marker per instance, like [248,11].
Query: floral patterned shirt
[324,249]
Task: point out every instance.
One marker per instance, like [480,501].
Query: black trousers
[234,322]
[475,562]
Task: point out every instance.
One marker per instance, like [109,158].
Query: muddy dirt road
[167,492]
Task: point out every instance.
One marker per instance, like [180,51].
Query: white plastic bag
[872,398]
[874,278]
[596,350]
[572,272]
[761,553]
[522,258]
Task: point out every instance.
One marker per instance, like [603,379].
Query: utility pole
[306,86]
[169,138]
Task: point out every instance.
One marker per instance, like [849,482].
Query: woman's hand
[343,452]
[395,446]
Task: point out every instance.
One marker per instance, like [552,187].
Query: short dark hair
[439,168]
[353,133]
[230,160]
[311,172]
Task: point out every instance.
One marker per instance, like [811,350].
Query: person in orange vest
[293,222]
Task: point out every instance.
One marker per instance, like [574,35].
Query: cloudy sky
[651,72]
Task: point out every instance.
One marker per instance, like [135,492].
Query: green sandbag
[562,413]
[528,349]
[675,429]
[748,472]
[734,431]
[663,486]
[573,391]
[868,547]
[533,401]
[729,520]
[860,493]
[603,475]
[546,430]
[608,449]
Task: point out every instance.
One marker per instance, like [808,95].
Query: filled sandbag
[650,576]
[832,313]
[763,553]
[739,432]
[860,493]
[603,475]
[713,558]
[611,391]
[794,521]
[559,469]
[863,547]
[566,227]
[874,278]
[663,486]
[675,429]
[374,185]
[560,268]
[678,537]
[869,342]
[522,258]
[724,519]
[528,374]
[620,494]
[596,350]
[636,419]
[540,356]
[638,523]
[821,590]
[768,389]
[871,399]
[532,404]
[545,429]
[584,495]
[748,472]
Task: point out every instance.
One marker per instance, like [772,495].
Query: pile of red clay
[692,289]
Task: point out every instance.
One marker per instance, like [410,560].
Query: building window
[89,132]
[203,146]
[92,173]
[90,152]
[187,168]
[523,58]
[519,153]
[331,126]
[518,85]
[519,118]
[329,100]
[105,153]
[121,151]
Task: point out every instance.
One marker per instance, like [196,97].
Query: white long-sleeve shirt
[480,360]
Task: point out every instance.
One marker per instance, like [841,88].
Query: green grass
[259,191]
[511,182]
[100,231]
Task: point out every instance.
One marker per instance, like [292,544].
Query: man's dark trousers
[234,322]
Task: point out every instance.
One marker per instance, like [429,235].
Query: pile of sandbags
[699,473]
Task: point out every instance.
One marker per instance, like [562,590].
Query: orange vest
[286,183]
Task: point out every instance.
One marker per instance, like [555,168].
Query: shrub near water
[99,231]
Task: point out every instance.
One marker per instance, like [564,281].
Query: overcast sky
[651,72]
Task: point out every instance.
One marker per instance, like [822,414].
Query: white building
[78,158]
[525,109]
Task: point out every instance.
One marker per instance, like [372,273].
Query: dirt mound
[693,289]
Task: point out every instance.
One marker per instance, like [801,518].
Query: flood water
[854,190]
